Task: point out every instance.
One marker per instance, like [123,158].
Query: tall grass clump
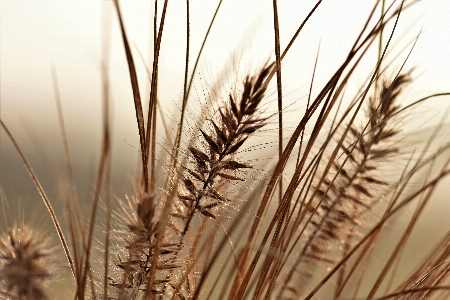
[327,214]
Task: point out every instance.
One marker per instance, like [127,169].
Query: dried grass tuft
[26,263]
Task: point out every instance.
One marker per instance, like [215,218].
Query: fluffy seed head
[24,263]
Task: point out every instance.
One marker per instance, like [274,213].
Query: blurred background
[74,37]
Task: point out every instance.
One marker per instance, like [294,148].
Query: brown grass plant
[208,221]
[27,261]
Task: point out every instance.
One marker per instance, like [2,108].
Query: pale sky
[68,34]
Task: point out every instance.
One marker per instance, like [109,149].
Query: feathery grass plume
[26,263]
[346,195]
[212,156]
[134,252]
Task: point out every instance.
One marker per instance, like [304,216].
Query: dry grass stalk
[178,241]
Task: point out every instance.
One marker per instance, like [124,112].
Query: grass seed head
[25,263]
